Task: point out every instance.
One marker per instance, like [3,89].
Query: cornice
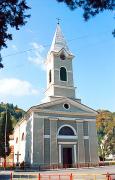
[63,113]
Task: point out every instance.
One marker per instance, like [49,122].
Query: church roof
[59,41]
[87,110]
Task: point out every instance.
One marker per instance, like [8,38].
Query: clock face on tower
[62,57]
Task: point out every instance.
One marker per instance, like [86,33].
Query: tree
[91,7]
[6,123]
[105,123]
[12,14]
[1,65]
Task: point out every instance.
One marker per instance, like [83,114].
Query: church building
[62,130]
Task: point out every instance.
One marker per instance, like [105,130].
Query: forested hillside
[15,112]
[9,116]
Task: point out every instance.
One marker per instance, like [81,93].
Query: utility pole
[5,139]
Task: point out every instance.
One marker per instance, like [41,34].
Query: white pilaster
[60,153]
[75,158]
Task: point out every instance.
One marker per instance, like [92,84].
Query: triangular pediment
[63,51]
[66,105]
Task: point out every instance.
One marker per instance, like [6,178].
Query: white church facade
[62,130]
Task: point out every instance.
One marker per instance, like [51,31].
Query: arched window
[50,77]
[63,74]
[66,131]
[22,136]
[16,140]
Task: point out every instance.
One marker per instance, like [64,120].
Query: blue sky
[23,80]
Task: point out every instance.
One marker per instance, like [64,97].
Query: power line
[21,52]
[48,45]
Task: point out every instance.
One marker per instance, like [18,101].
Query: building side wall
[16,145]
[29,141]
[19,146]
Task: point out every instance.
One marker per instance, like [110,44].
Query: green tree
[6,124]
[12,14]
[1,65]
[105,123]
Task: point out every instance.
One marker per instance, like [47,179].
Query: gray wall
[86,146]
[93,142]
[46,151]
[53,142]
[38,141]
[81,151]
[28,145]
[46,127]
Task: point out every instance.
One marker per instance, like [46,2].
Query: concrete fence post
[11,176]
[39,176]
[71,178]
[108,176]
[59,177]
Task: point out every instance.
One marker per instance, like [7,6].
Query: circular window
[62,56]
[66,106]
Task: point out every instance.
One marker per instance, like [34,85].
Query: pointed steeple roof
[59,41]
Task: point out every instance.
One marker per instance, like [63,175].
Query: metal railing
[41,176]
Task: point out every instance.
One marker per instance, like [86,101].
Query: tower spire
[59,41]
[59,68]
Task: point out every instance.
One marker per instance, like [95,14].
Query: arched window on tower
[50,76]
[23,136]
[63,74]
[16,140]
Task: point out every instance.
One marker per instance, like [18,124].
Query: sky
[23,78]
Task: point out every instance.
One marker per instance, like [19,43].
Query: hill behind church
[16,112]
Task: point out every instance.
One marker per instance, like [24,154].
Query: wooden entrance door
[67,157]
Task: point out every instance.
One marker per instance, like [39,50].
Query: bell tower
[59,69]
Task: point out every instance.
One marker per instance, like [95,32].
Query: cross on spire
[58,20]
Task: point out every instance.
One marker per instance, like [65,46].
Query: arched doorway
[67,145]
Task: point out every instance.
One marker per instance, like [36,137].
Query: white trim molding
[85,137]
[47,136]
[67,143]
[67,137]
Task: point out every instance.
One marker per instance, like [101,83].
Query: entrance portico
[67,153]
[67,142]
